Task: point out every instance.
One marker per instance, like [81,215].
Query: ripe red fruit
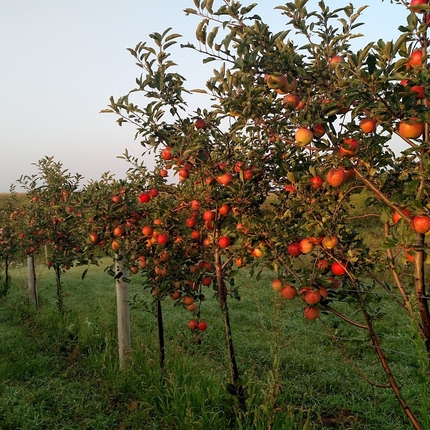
[224,209]
[191,222]
[316,181]
[368,125]
[202,326]
[311,313]
[291,100]
[319,130]
[206,281]
[294,249]
[208,216]
[118,231]
[338,269]
[144,198]
[147,230]
[306,246]
[200,123]
[397,216]
[312,297]
[411,129]
[336,177]
[224,242]
[419,90]
[415,5]
[289,292]
[336,59]
[184,173]
[224,179]
[416,58]
[349,147]
[193,324]
[277,285]
[162,239]
[323,264]
[195,234]
[289,189]
[166,154]
[116,199]
[421,224]
[94,238]
[329,242]
[153,192]
[195,205]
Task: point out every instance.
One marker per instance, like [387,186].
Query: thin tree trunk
[161,344]
[420,290]
[60,299]
[6,285]
[385,365]
[31,281]
[222,295]
[123,310]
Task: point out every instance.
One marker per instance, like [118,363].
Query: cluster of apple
[312,295]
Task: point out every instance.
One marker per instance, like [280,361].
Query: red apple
[368,125]
[306,246]
[224,242]
[319,130]
[166,154]
[330,242]
[289,292]
[412,128]
[294,249]
[415,5]
[349,147]
[397,216]
[316,181]
[224,179]
[339,268]
[421,224]
[277,285]
[335,60]
[200,123]
[162,239]
[336,177]
[415,59]
[311,313]
[144,198]
[291,100]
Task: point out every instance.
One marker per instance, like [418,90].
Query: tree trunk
[31,281]
[222,296]
[123,310]
[161,344]
[60,299]
[420,290]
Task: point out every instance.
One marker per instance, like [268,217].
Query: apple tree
[303,129]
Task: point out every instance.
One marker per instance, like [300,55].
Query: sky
[62,60]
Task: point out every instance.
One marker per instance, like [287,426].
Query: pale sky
[62,60]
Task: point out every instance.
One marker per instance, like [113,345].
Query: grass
[62,372]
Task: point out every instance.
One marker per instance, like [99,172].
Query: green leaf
[173,36]
[190,11]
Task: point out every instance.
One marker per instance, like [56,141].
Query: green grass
[62,372]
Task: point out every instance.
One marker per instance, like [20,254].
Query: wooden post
[123,309]
[31,281]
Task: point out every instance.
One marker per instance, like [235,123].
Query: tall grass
[61,372]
